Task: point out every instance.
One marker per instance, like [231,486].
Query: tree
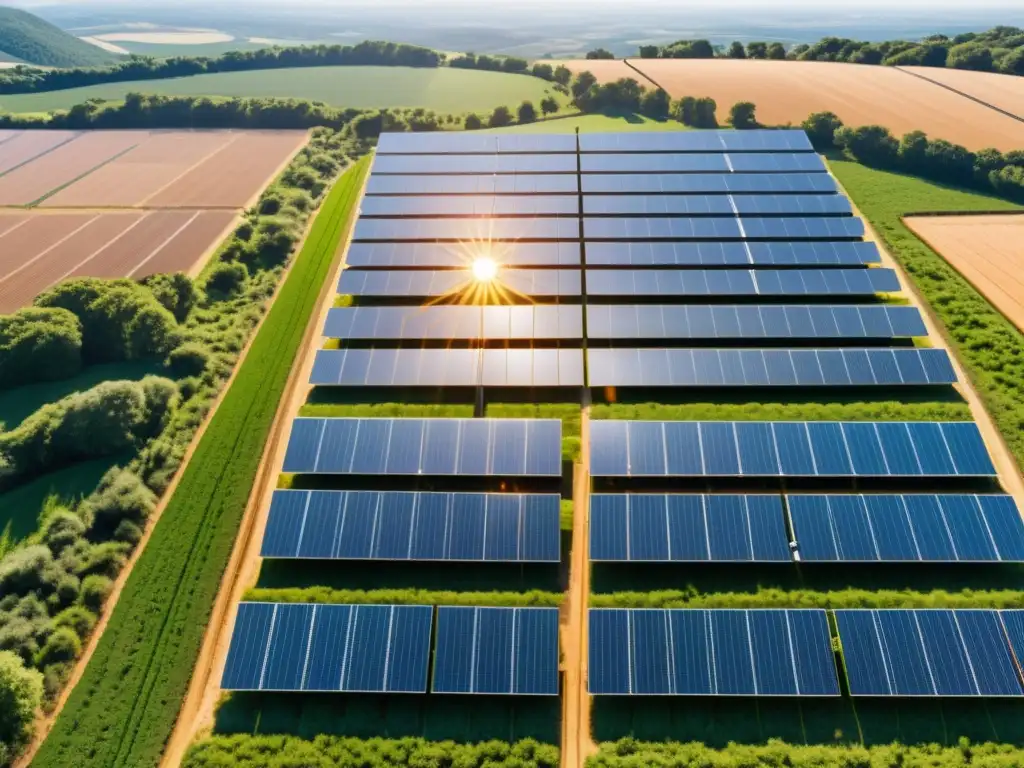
[821,129]
[689,49]
[686,110]
[473,122]
[970,56]
[563,75]
[649,51]
[549,105]
[736,51]
[526,113]
[543,71]
[582,84]
[600,53]
[757,50]
[870,144]
[21,694]
[500,117]
[776,51]
[704,113]
[742,115]
[655,104]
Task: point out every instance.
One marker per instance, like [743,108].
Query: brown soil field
[605,70]
[63,165]
[984,249]
[1004,92]
[788,91]
[29,144]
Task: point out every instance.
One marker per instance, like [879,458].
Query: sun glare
[484,269]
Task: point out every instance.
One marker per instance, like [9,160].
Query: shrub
[526,113]
[870,144]
[103,559]
[77,618]
[128,532]
[25,571]
[175,292]
[548,105]
[39,345]
[226,280]
[95,590]
[67,589]
[190,359]
[62,645]
[61,530]
[21,694]
[656,104]
[500,117]
[121,496]
[742,115]
[821,129]
[473,122]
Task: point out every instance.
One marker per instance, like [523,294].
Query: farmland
[1004,92]
[788,91]
[441,89]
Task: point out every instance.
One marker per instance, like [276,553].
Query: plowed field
[984,249]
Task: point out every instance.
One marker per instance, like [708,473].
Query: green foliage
[63,645]
[175,292]
[95,590]
[190,359]
[403,596]
[736,51]
[225,280]
[245,751]
[388,410]
[500,117]
[742,115]
[600,53]
[156,627]
[526,113]
[30,39]
[768,597]
[989,346]
[21,693]
[688,49]
[39,345]
[549,106]
[120,497]
[790,411]
[77,618]
[821,129]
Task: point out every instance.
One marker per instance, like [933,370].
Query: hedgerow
[403,597]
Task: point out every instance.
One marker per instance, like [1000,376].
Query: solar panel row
[456,322]
[740,282]
[540,283]
[473,143]
[709,254]
[497,651]
[395,525]
[448,368]
[769,321]
[470,447]
[508,184]
[756,162]
[356,648]
[470,205]
[468,231]
[787,449]
[768,367]
[667,228]
[716,205]
[894,528]
[473,164]
[711,653]
[701,183]
[932,652]
[461,255]
[687,528]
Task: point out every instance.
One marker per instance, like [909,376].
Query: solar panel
[448,367]
[440,142]
[907,527]
[434,283]
[787,449]
[467,231]
[353,648]
[707,183]
[713,205]
[697,141]
[473,164]
[731,254]
[781,162]
[510,651]
[687,528]
[508,184]
[740,282]
[709,228]
[930,652]
[539,321]
[882,366]
[690,652]
[396,525]
[460,255]
[470,205]
[470,447]
[769,321]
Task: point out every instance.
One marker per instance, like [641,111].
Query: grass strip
[857,411]
[770,597]
[123,710]
[403,597]
[990,347]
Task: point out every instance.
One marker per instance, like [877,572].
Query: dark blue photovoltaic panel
[665,228]
[738,282]
[1013,626]
[509,184]
[444,143]
[477,164]
[399,525]
[448,368]
[472,447]
[710,205]
[460,255]
[792,140]
[472,230]
[537,321]
[693,162]
[930,652]
[907,527]
[727,254]
[354,648]
[510,651]
[687,528]
[776,321]
[442,282]
[821,448]
[703,183]
[692,652]
[470,205]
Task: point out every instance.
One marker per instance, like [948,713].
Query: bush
[870,144]
[500,117]
[742,115]
[121,496]
[656,104]
[76,618]
[190,359]
[39,345]
[225,280]
[61,530]
[527,113]
[549,105]
[821,129]
[25,571]
[473,122]
[175,292]
[63,645]
[95,590]
[21,694]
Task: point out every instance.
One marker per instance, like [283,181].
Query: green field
[591,124]
[441,89]
[124,707]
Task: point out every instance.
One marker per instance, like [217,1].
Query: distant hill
[28,38]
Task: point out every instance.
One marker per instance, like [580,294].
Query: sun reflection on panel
[483,268]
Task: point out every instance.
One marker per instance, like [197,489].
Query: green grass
[441,89]
[591,124]
[387,410]
[26,37]
[990,347]
[123,709]
[402,596]
[804,411]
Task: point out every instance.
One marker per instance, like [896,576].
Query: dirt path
[577,743]
[1006,466]
[200,704]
